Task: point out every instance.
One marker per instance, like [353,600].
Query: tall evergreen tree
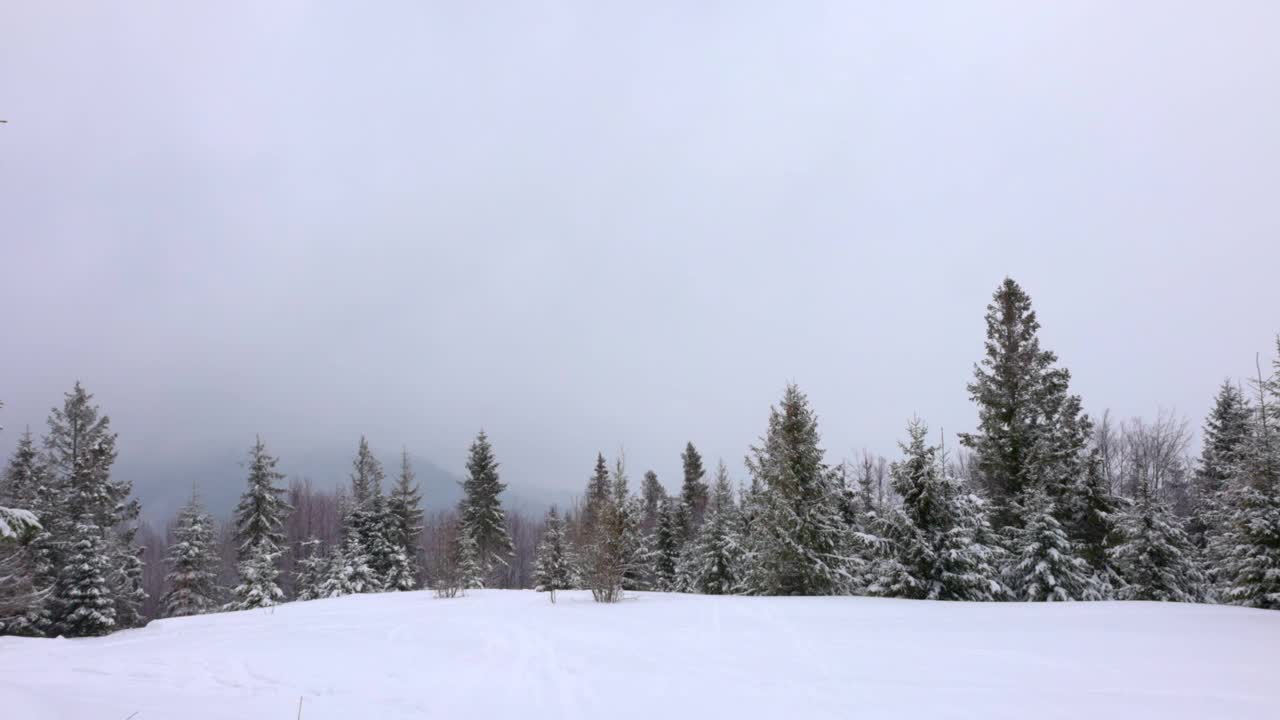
[258,521]
[23,586]
[693,493]
[939,530]
[553,569]
[367,524]
[1096,514]
[1156,558]
[314,568]
[481,512]
[800,544]
[1248,542]
[1030,430]
[1226,432]
[193,564]
[405,526]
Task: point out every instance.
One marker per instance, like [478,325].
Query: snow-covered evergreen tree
[83,592]
[193,564]
[23,588]
[800,544]
[1043,564]
[1030,430]
[1155,557]
[1096,513]
[713,563]
[481,512]
[651,496]
[553,569]
[258,519]
[404,526]
[664,556]
[350,571]
[608,546]
[313,570]
[693,494]
[368,524]
[470,571]
[937,533]
[1247,543]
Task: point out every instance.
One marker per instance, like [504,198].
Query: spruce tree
[651,494]
[367,523]
[404,527]
[470,571]
[314,568]
[553,570]
[1155,557]
[714,562]
[1226,431]
[665,555]
[350,571]
[608,540]
[193,564]
[258,520]
[481,512]
[1044,565]
[800,544]
[1248,543]
[693,493]
[599,493]
[1096,512]
[937,532]
[82,590]
[23,587]
[1030,430]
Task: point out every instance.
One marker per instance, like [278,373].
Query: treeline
[1040,502]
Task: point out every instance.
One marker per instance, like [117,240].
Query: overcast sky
[584,228]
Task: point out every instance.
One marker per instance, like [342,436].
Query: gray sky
[584,228]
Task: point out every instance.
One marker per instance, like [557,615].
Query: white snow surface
[507,654]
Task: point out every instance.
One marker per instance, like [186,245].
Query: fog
[590,229]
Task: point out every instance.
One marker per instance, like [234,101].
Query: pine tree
[193,564]
[481,512]
[553,570]
[367,524]
[1044,565]
[1226,430]
[800,544]
[1156,558]
[404,527]
[1030,431]
[713,565]
[937,531]
[258,519]
[693,493]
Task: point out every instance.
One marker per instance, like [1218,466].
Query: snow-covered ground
[506,654]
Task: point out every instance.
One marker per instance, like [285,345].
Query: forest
[1041,502]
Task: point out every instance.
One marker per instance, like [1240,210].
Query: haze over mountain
[314,221]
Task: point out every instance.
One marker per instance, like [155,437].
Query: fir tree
[1156,558]
[1044,565]
[366,475]
[1030,431]
[553,570]
[938,530]
[23,588]
[193,564]
[367,524]
[1226,431]
[800,544]
[599,494]
[350,571]
[1097,512]
[481,512]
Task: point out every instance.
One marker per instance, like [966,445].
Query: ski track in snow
[494,654]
